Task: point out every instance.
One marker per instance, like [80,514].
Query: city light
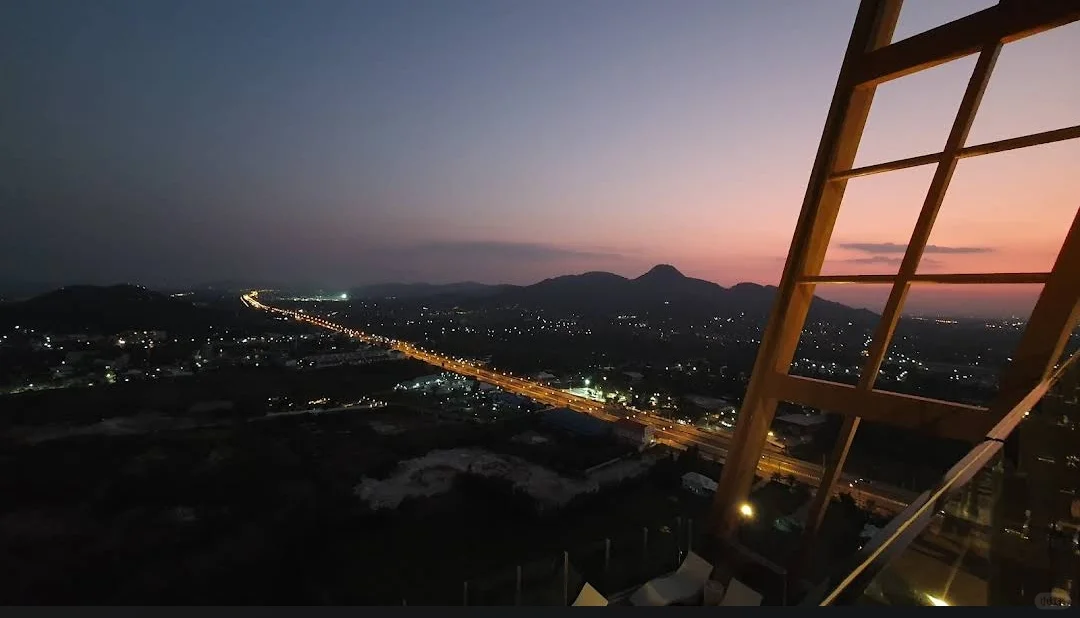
[543,393]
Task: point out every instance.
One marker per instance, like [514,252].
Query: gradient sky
[502,141]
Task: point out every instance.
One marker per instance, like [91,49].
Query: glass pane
[1010,535]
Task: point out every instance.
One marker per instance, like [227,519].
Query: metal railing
[612,565]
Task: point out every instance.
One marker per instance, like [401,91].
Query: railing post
[644,551]
[678,541]
[517,587]
[607,555]
[565,578]
[465,593]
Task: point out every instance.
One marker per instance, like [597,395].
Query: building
[510,400]
[698,484]
[425,383]
[576,422]
[709,404]
[632,432]
[587,392]
[356,357]
[791,429]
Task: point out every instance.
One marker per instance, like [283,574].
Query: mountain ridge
[662,290]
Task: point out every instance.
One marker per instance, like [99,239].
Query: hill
[664,291]
[110,309]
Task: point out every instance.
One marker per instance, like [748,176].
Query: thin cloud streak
[887,259]
[891,247]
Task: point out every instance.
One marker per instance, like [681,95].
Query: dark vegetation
[113,309]
[263,512]
[248,388]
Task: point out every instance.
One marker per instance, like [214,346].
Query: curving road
[713,444]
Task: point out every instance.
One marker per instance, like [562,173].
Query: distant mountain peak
[663,271]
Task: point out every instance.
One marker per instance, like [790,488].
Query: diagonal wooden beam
[1008,21]
[848,111]
[936,417]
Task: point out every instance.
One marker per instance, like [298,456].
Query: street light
[746,510]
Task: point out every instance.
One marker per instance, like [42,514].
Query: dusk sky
[353,142]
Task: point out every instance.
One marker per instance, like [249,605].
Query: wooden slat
[890,166]
[848,111]
[1005,22]
[1026,141]
[944,278]
[1005,145]
[935,417]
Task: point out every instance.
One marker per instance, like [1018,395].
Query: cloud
[502,250]
[891,247]
[875,259]
[888,259]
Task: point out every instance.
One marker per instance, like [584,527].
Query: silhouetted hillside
[104,309]
[661,291]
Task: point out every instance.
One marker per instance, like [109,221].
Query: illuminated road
[713,444]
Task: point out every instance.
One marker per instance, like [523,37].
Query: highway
[713,444]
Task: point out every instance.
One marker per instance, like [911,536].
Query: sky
[349,142]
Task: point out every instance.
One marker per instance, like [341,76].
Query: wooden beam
[1026,141]
[936,417]
[1013,143]
[947,278]
[1005,22]
[890,166]
[848,111]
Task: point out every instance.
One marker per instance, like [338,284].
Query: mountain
[17,289]
[414,291]
[110,309]
[664,291]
